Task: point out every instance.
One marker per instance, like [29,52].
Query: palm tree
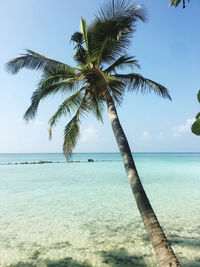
[100,51]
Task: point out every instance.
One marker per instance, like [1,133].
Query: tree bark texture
[163,250]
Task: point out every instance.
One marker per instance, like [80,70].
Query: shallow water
[84,214]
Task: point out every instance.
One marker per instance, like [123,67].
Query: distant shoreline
[53,158]
[8,153]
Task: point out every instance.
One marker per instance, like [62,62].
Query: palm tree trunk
[163,250]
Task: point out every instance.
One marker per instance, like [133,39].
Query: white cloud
[145,136]
[181,129]
[160,136]
[90,133]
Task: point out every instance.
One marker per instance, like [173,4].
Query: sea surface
[84,214]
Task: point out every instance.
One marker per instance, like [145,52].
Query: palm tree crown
[100,53]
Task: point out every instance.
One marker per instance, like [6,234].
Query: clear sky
[167,47]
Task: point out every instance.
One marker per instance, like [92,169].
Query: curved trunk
[163,250]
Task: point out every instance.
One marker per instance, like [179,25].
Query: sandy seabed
[93,244]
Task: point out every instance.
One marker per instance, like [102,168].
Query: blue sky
[167,47]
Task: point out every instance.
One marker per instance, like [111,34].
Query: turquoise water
[83,214]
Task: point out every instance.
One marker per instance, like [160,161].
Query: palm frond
[121,63]
[136,82]
[174,3]
[44,91]
[32,60]
[69,105]
[96,105]
[77,38]
[71,134]
[72,129]
[112,29]
[120,10]
[56,79]
[177,2]
[51,82]
[57,74]
[83,27]
[80,55]
[116,90]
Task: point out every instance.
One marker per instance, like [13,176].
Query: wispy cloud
[89,133]
[160,136]
[181,129]
[145,136]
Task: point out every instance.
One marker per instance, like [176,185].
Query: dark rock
[90,160]
[43,161]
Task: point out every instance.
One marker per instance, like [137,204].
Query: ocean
[84,214]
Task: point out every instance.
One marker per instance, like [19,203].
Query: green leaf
[71,134]
[110,33]
[69,105]
[136,82]
[34,61]
[196,127]
[198,96]
[174,3]
[121,63]
[198,116]
[96,105]
[77,37]
[83,27]
[177,2]
[43,92]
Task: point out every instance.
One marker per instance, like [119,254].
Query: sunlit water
[84,214]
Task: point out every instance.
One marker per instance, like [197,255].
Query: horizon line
[166,152]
